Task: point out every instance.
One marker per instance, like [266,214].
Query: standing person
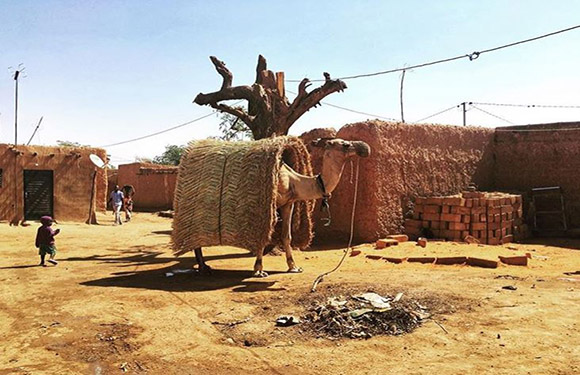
[128,191]
[45,240]
[117,199]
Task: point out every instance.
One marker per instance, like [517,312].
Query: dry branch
[270,113]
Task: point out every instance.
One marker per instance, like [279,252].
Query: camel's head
[340,148]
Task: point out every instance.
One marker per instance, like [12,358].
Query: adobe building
[408,161]
[58,181]
[154,184]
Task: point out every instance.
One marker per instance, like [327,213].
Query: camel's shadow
[168,279]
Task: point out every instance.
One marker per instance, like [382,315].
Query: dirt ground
[109,308]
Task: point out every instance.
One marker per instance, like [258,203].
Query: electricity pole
[17,73]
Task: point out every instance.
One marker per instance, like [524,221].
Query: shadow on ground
[157,279]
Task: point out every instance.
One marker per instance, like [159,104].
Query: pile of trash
[365,315]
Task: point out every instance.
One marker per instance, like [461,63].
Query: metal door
[38,190]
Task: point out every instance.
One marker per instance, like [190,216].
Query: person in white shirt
[117,198]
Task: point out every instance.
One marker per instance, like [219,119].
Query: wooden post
[280,84]
[92,212]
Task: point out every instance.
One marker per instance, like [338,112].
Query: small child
[45,240]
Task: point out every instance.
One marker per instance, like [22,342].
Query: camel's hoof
[206,270]
[295,270]
[260,274]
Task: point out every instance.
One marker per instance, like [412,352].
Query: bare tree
[270,113]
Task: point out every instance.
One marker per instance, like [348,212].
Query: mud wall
[72,180]
[540,156]
[406,161]
[154,184]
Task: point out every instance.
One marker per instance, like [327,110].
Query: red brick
[460,210]
[476,202]
[453,201]
[451,260]
[374,257]
[421,260]
[478,226]
[451,217]
[430,216]
[507,239]
[413,223]
[385,242]
[399,237]
[437,201]
[420,200]
[493,240]
[458,226]
[419,208]
[493,202]
[485,263]
[478,210]
[445,209]
[432,209]
[483,218]
[507,209]
[394,260]
[435,225]
[422,242]
[515,261]
[466,218]
[425,223]
[469,202]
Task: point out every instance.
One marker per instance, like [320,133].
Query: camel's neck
[331,173]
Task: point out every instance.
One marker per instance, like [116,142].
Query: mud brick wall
[491,218]
[536,156]
[72,180]
[154,184]
[406,161]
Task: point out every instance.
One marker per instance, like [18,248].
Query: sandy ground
[108,308]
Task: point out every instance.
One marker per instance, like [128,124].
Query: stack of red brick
[492,218]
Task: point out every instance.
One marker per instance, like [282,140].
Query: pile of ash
[365,315]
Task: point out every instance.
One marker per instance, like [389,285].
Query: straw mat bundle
[226,194]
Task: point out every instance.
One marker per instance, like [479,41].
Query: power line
[471,56]
[435,114]
[159,132]
[351,110]
[491,114]
[527,105]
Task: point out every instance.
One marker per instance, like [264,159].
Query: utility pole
[401,96]
[464,111]
[16,77]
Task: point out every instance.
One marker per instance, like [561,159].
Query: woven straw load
[226,194]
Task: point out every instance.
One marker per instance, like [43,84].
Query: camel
[293,187]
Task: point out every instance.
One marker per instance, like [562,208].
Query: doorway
[38,194]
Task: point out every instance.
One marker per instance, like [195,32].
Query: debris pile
[365,315]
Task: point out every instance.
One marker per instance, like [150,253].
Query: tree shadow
[567,243]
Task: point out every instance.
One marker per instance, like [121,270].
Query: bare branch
[242,115]
[260,67]
[304,101]
[220,66]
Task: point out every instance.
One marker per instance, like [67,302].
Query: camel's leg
[202,266]
[258,268]
[286,213]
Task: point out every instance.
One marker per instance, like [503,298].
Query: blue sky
[102,72]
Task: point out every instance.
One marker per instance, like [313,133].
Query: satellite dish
[97,161]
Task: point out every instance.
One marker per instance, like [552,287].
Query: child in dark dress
[45,240]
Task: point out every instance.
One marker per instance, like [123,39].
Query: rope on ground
[346,251]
